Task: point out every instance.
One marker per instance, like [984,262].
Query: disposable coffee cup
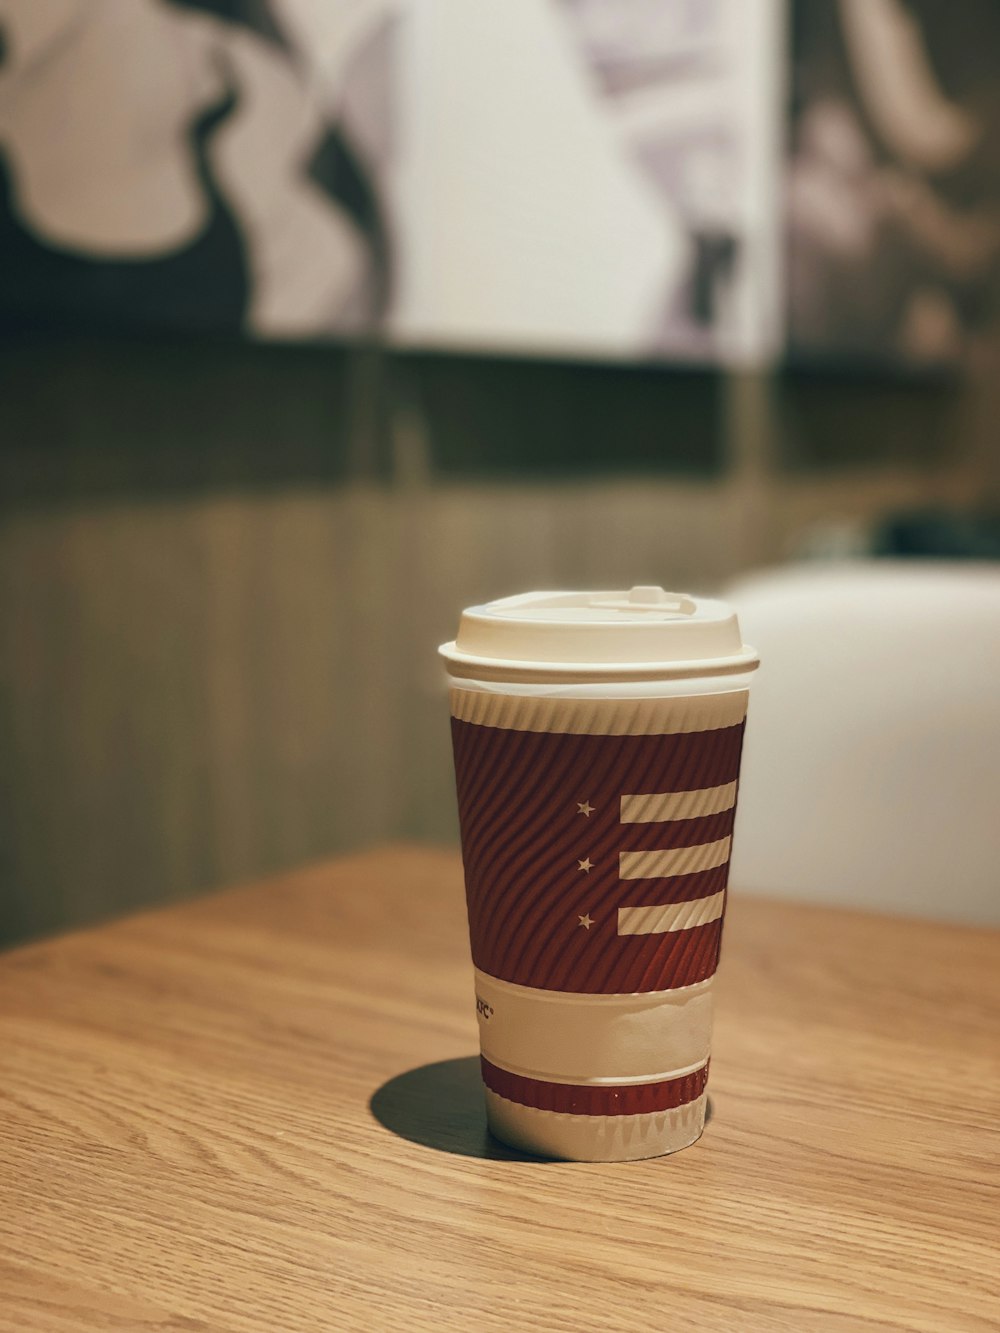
[597,740]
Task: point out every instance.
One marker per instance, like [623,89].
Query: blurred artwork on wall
[195,165]
[893,181]
[592,177]
[565,177]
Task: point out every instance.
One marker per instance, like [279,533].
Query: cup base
[594,1138]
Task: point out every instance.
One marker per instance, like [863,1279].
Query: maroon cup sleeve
[596,836]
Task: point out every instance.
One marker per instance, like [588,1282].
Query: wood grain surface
[259,1113]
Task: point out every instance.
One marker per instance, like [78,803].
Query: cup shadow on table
[441,1106]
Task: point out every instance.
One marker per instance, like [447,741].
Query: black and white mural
[560,176]
[195,164]
[708,181]
[893,181]
[592,176]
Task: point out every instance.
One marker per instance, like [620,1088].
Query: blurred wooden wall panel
[217,649]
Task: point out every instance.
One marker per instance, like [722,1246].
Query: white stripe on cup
[573,1038]
[676,861]
[658,807]
[674,916]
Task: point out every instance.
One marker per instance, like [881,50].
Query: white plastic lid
[633,635]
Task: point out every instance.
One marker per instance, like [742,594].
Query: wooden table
[260,1111]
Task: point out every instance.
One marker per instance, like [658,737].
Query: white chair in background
[871,770]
